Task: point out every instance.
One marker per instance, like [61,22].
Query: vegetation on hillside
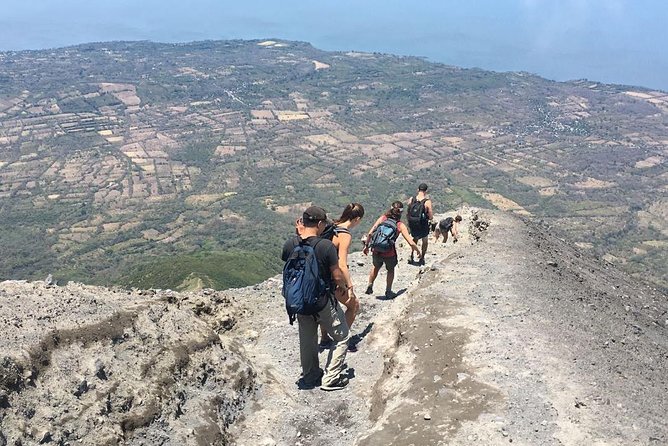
[115,156]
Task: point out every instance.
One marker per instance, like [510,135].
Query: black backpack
[417,212]
[332,230]
[447,223]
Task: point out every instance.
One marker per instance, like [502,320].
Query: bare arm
[409,239]
[343,245]
[375,225]
[368,235]
[454,231]
[429,209]
[337,276]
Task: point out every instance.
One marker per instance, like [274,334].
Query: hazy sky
[620,41]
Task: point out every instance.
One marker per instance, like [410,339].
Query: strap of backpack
[339,230]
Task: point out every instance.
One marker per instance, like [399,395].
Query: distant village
[119,154]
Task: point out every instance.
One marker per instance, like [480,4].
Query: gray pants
[334,322]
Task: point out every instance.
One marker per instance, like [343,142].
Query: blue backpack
[384,236]
[303,288]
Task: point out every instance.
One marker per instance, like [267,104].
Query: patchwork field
[112,158]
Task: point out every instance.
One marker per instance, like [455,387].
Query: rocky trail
[509,336]
[516,337]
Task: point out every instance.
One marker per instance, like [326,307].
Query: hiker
[448,225]
[341,237]
[325,310]
[420,213]
[381,239]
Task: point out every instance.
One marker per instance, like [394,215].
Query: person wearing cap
[420,230]
[331,317]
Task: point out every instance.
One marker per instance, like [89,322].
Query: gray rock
[100,370]
[45,438]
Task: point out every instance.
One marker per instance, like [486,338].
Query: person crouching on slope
[391,226]
[448,225]
[330,315]
[350,218]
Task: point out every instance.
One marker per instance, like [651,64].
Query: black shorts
[389,262]
[419,231]
[444,228]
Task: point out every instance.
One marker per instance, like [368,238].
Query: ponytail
[352,211]
[395,210]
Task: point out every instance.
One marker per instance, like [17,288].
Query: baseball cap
[314,213]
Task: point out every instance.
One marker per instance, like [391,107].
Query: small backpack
[332,230]
[384,236]
[447,223]
[417,213]
[303,288]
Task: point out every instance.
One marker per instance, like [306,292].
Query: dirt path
[514,338]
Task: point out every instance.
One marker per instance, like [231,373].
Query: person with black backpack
[311,275]
[381,240]
[420,213]
[448,225]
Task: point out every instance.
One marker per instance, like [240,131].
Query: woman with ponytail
[350,217]
[388,257]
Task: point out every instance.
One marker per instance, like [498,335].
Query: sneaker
[326,344]
[352,347]
[369,290]
[303,384]
[339,384]
[389,294]
[421,262]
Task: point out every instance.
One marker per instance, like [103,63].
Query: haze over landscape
[614,41]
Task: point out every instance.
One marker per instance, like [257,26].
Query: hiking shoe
[421,262]
[389,294]
[326,344]
[303,384]
[369,290]
[352,347]
[339,384]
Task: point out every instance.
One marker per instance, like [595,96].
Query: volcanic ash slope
[511,334]
[88,365]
